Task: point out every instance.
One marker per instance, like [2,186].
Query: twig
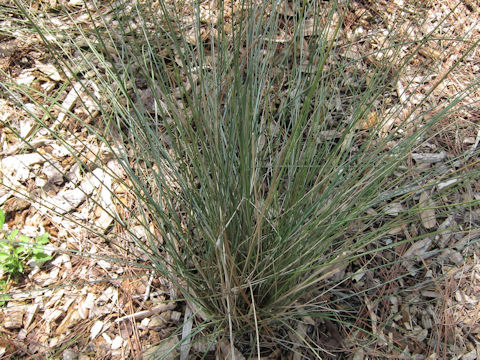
[145,313]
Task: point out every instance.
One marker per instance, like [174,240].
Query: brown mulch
[84,304]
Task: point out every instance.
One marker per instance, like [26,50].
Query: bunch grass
[251,156]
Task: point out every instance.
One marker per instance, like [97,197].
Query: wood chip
[67,104]
[429,158]
[48,69]
[16,168]
[14,317]
[117,342]
[51,315]
[30,313]
[428,213]
[85,306]
[96,329]
[186,334]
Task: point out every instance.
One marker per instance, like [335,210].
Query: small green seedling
[16,250]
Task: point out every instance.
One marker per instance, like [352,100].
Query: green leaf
[9,267]
[23,238]
[19,250]
[12,235]
[42,239]
[4,298]
[41,257]
[37,250]
[13,266]
[2,218]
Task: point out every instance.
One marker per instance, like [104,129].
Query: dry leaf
[166,348]
[226,348]
[371,121]
[394,209]
[418,248]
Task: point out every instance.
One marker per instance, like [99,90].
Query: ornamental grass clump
[267,153]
